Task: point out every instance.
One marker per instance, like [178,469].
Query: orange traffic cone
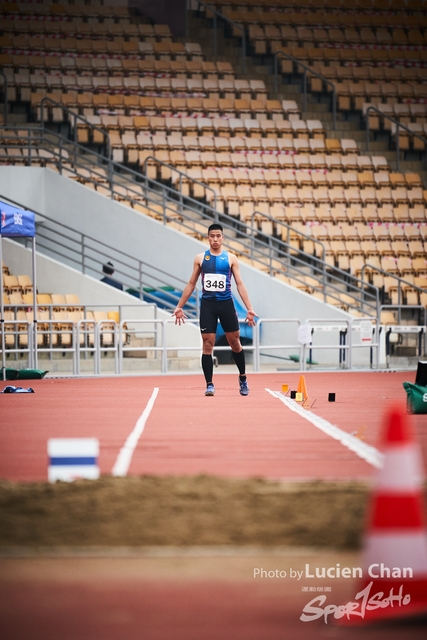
[302,388]
[394,565]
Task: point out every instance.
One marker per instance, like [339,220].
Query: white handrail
[121,331]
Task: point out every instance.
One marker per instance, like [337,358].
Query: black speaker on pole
[421,378]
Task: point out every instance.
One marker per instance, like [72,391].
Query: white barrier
[72,458]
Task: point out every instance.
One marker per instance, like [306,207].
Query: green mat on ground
[25,374]
[416,397]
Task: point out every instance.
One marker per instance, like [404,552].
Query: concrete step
[346,127]
[318,112]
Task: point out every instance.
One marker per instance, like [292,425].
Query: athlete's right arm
[188,290]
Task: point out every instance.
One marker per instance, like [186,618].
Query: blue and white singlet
[216,276]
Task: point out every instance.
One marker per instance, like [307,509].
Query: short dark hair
[108,268]
[215,227]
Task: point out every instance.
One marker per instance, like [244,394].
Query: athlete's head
[215,236]
[215,227]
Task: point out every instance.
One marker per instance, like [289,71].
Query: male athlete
[216,267]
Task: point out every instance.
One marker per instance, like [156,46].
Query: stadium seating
[157,97]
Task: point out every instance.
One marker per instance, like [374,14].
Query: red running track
[187,433]
[174,597]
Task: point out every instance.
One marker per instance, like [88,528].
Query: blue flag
[16,221]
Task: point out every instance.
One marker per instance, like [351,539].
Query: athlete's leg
[230,324]
[239,358]
[208,324]
[207,362]
[233,338]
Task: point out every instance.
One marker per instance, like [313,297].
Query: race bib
[214,282]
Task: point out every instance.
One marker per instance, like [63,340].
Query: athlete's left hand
[250,317]
[180,316]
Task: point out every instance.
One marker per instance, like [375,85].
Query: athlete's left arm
[243,293]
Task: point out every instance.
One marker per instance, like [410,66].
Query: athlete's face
[215,240]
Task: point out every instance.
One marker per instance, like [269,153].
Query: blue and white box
[72,458]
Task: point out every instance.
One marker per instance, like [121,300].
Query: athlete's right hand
[250,317]
[180,316]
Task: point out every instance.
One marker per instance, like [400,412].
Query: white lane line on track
[121,466]
[360,448]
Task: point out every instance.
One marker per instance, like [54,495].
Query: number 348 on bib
[214,282]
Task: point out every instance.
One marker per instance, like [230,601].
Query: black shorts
[213,310]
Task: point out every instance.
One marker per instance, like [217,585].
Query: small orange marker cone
[360,433]
[302,388]
[394,558]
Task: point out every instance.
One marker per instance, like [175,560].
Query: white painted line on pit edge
[368,453]
[121,466]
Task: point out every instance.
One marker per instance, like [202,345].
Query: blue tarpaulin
[17,223]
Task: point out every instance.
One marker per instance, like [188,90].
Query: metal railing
[75,117]
[182,175]
[399,126]
[401,282]
[87,338]
[307,69]
[217,14]
[408,330]
[277,348]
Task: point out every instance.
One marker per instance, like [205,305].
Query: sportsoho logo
[362,603]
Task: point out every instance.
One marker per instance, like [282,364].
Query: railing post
[397,147]
[350,343]
[164,349]
[75,138]
[215,29]
[304,86]
[243,49]
[275,71]
[256,358]
[334,107]
[97,354]
[368,136]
